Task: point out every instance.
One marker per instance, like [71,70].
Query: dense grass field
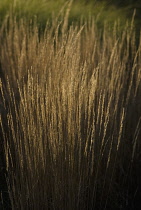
[70,114]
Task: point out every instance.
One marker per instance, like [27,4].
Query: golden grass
[73,114]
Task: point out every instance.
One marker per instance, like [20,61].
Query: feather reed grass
[70,128]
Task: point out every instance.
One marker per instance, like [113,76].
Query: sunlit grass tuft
[71,125]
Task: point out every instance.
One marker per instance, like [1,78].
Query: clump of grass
[72,115]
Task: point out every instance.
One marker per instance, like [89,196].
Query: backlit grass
[70,128]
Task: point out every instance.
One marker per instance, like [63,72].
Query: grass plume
[71,120]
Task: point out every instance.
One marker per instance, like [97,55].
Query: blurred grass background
[103,10]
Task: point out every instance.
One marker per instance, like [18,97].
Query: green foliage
[80,10]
